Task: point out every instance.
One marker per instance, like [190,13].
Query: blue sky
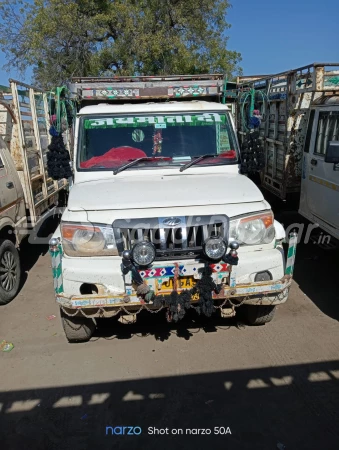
[272,35]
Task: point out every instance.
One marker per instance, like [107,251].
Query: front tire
[77,328]
[259,314]
[10,271]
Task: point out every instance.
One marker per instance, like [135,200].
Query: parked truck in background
[27,194]
[159,216]
[299,133]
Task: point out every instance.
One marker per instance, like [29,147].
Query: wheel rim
[8,271]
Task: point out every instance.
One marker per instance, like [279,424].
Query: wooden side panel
[28,143]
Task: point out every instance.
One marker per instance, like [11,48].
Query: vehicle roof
[195,105]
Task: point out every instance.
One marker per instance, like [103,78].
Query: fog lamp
[143,253]
[215,247]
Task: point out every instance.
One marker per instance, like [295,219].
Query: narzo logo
[119,431]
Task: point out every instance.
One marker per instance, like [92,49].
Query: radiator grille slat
[170,242]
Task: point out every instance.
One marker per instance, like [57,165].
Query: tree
[63,38]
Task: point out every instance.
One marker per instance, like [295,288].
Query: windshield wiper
[196,160]
[135,161]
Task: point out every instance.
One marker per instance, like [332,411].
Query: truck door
[320,192]
[8,186]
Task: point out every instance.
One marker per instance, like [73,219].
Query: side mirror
[332,152]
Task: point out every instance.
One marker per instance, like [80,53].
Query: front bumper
[236,283]
[261,293]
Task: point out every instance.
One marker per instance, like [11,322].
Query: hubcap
[8,271]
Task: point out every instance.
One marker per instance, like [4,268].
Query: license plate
[166,287]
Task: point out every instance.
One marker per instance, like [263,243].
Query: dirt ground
[270,387]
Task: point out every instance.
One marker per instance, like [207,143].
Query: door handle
[10,185]
[314,162]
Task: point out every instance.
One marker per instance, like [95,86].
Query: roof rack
[136,79]
[314,68]
[147,87]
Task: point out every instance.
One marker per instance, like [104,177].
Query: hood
[162,191]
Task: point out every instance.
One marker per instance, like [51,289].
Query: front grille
[172,236]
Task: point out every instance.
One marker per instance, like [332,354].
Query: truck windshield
[107,142]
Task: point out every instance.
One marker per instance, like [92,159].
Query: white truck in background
[27,194]
[299,134]
[159,216]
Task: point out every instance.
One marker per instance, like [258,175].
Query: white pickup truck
[159,216]
[27,194]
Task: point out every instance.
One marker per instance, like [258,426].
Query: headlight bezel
[105,244]
[267,235]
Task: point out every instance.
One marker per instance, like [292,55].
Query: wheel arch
[7,230]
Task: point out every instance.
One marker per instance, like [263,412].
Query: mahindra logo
[172,221]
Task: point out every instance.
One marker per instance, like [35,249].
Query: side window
[328,130]
[2,166]
[309,132]
[3,171]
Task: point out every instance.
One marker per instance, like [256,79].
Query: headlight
[215,247]
[143,253]
[254,229]
[88,240]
